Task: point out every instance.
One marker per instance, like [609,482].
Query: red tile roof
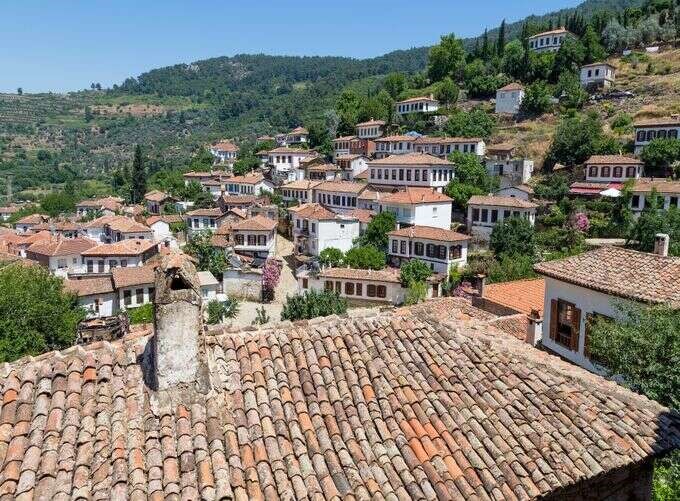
[129,247]
[511,202]
[363,215]
[620,272]
[294,151]
[112,204]
[157,196]
[133,275]
[658,122]
[394,406]
[225,145]
[386,275]
[646,185]
[304,184]
[520,295]
[612,159]
[512,86]
[250,178]
[89,286]
[62,246]
[411,159]
[166,218]
[417,99]
[312,211]
[557,31]
[341,187]
[33,219]
[257,223]
[211,212]
[429,233]
[371,123]
[414,196]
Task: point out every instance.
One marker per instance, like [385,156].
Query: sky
[64,45]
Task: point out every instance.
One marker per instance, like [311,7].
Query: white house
[113,228]
[394,145]
[484,212]
[104,206]
[372,129]
[27,223]
[342,145]
[298,135]
[412,169]
[648,130]
[598,75]
[418,207]
[127,253]
[351,165]
[298,191]
[549,41]
[96,295]
[340,196]
[316,228]
[285,159]
[442,249]
[667,191]
[363,286]
[249,184]
[134,287]
[255,236]
[203,220]
[582,288]
[612,168]
[509,98]
[8,212]
[322,172]
[421,104]
[225,152]
[443,146]
[161,227]
[511,170]
[521,191]
[210,287]
[60,256]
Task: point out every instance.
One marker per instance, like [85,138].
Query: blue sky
[62,45]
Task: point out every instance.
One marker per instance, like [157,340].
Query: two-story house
[103,206]
[394,145]
[27,223]
[301,192]
[580,289]
[412,169]
[509,98]
[60,256]
[316,228]
[549,41]
[612,169]
[96,295]
[443,146]
[421,104]
[109,229]
[285,159]
[323,172]
[340,196]
[299,135]
[202,220]
[511,170]
[157,201]
[255,236]
[372,129]
[248,184]
[7,212]
[661,128]
[134,287]
[227,201]
[484,212]
[598,75]
[225,152]
[105,257]
[351,166]
[666,190]
[418,207]
[442,249]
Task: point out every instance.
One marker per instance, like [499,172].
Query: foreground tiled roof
[363,215]
[512,202]
[89,286]
[429,233]
[133,275]
[157,196]
[519,295]
[620,272]
[413,195]
[613,159]
[379,407]
[33,219]
[410,159]
[646,185]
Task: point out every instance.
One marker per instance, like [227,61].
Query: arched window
[606,171]
[592,171]
[651,135]
[641,135]
[630,171]
[618,171]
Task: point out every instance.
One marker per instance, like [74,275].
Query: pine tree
[501,39]
[138,188]
[485,45]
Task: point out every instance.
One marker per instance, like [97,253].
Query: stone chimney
[661,243]
[179,358]
[534,327]
[480,284]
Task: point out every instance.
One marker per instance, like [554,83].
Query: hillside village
[463,284]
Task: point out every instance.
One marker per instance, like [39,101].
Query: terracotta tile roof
[520,295]
[341,187]
[658,122]
[384,406]
[630,274]
[133,275]
[109,203]
[603,63]
[211,212]
[586,188]
[429,233]
[238,212]
[129,247]
[299,130]
[417,99]
[395,139]
[446,140]
[363,175]
[166,218]
[225,145]
[363,215]
[512,86]
[41,236]
[371,123]
[324,168]
[62,246]
[312,211]
[511,202]
[500,148]
[612,159]
[385,275]
[304,184]
[521,187]
[33,219]
[414,196]
[411,159]
[9,210]
[89,286]
[344,138]
[157,196]
[247,179]
[200,174]
[557,31]
[238,199]
[646,185]
[294,151]
[122,224]
[257,223]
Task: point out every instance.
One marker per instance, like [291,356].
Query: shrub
[331,257]
[312,304]
[365,258]
[513,236]
[218,311]
[261,316]
[414,271]
[417,292]
[141,315]
[536,99]
[511,267]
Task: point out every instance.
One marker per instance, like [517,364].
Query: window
[408,175]
[252,240]
[239,239]
[401,175]
[61,263]
[338,287]
[506,214]
[382,291]
[305,283]
[592,171]
[430,250]
[416,175]
[674,202]
[123,263]
[139,296]
[314,227]
[100,266]
[419,248]
[402,247]
[370,290]
[425,175]
[494,215]
[328,285]
[127,298]
[262,239]
[630,171]
[606,171]
[475,214]
[641,136]
[455,251]
[152,294]
[395,245]
[349,288]
[485,215]
[673,134]
[618,171]
[359,289]
[113,263]
[442,252]
[565,324]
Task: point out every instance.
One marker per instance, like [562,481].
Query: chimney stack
[534,327]
[480,284]
[179,358]
[661,243]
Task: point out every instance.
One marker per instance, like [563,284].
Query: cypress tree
[485,45]
[138,177]
[501,39]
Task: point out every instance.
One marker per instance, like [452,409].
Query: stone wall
[243,284]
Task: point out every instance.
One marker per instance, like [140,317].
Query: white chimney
[661,243]
[534,327]
[178,343]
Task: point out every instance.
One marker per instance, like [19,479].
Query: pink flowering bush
[581,222]
[271,273]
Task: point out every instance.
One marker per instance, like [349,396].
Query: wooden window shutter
[553,319]
[576,329]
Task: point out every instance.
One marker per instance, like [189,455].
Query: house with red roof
[255,236]
[225,152]
[509,98]
[418,207]
[420,104]
[316,228]
[484,212]
[411,169]
[549,41]
[441,249]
